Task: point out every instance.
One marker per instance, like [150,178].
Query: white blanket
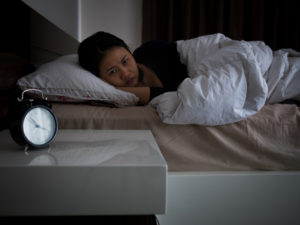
[228,81]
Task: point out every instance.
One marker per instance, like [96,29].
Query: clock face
[39,125]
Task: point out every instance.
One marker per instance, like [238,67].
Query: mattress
[269,140]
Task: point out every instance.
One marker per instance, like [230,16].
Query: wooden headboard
[26,41]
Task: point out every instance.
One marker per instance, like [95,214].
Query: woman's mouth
[131,81]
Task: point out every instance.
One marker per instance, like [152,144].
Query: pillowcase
[64,80]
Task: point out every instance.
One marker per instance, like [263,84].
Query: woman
[228,80]
[153,68]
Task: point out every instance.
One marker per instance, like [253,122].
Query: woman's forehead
[113,57]
[115,53]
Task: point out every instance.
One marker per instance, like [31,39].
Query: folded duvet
[228,81]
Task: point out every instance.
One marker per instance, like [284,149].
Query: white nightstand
[84,172]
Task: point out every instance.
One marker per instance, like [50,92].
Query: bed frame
[235,198]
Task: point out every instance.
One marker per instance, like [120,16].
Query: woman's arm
[143,93]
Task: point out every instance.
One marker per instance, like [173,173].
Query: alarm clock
[33,123]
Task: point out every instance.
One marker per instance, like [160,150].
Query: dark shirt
[163,59]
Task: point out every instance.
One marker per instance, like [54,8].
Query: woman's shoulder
[156,42]
[155,48]
[155,45]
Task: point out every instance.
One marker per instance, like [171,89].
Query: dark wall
[14,27]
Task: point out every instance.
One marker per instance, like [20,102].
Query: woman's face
[119,68]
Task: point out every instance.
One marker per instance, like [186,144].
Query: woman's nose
[124,72]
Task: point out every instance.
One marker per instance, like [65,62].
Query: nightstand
[84,172]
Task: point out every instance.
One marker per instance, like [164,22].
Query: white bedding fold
[228,82]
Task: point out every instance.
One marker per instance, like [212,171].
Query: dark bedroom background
[276,22]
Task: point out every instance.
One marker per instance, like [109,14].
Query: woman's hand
[143,93]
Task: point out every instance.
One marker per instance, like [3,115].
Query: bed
[243,146]
[243,164]
[246,172]
[243,172]
[239,173]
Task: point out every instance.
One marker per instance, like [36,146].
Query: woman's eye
[112,71]
[125,61]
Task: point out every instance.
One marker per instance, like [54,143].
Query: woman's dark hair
[92,49]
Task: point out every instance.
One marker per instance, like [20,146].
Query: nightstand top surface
[86,148]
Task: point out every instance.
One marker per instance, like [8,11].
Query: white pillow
[64,80]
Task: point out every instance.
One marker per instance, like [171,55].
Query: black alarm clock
[33,124]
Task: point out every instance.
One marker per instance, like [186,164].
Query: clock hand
[43,128]
[37,125]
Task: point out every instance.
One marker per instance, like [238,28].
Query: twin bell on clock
[33,123]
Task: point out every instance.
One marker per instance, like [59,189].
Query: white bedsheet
[228,81]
